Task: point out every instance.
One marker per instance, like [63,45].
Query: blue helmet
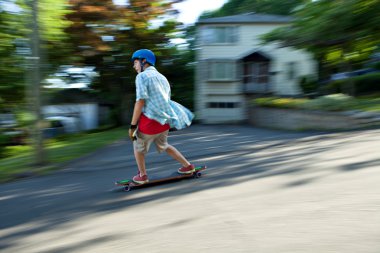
[144,54]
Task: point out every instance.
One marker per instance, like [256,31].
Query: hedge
[364,84]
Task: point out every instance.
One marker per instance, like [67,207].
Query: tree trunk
[35,83]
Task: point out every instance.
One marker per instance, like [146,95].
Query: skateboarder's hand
[131,133]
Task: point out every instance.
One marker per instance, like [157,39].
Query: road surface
[264,191]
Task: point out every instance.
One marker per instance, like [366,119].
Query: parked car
[59,125]
[365,71]
[7,120]
[340,76]
[345,75]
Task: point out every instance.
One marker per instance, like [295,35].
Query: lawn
[59,150]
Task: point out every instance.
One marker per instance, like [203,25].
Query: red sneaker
[140,179]
[187,170]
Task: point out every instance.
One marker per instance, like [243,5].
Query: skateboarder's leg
[162,144]
[141,147]
[173,152]
[141,177]
[140,160]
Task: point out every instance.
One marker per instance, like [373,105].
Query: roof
[255,54]
[247,18]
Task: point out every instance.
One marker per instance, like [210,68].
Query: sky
[190,10]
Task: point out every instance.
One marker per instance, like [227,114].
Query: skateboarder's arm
[135,118]
[139,105]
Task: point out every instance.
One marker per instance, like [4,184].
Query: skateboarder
[154,114]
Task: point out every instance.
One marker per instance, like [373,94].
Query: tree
[106,35]
[15,26]
[342,31]
[234,7]
[11,69]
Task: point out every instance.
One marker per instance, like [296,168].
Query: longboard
[129,184]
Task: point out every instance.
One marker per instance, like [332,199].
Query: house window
[219,34]
[228,105]
[256,72]
[221,71]
[291,70]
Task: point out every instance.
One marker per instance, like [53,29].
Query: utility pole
[35,82]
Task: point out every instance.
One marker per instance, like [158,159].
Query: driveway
[263,191]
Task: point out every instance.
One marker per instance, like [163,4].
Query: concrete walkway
[264,191]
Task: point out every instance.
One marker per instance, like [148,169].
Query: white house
[74,117]
[234,65]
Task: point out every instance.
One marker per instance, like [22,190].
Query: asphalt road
[263,191]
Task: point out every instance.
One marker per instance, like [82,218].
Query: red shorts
[150,126]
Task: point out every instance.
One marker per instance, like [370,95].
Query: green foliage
[11,71]
[308,84]
[348,29]
[364,84]
[334,87]
[368,104]
[367,83]
[376,65]
[132,29]
[334,102]
[234,7]
[15,30]
[4,140]
[288,103]
[24,118]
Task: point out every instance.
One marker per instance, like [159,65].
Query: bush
[333,87]
[376,65]
[335,102]
[367,83]
[364,84]
[279,102]
[308,84]
[4,140]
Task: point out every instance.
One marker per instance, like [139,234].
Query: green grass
[65,148]
[368,104]
[335,102]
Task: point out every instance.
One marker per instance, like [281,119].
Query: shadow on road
[233,154]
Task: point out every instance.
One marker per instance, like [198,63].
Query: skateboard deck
[175,176]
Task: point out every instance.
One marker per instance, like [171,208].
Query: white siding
[86,114]
[233,88]
[248,39]
[223,115]
[281,57]
[248,42]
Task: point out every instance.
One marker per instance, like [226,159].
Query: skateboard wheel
[127,188]
[198,174]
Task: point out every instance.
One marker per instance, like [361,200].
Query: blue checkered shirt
[154,88]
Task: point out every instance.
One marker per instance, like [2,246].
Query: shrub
[367,83]
[376,65]
[279,102]
[4,140]
[335,102]
[362,85]
[333,87]
[308,84]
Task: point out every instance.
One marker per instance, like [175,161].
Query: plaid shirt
[154,88]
